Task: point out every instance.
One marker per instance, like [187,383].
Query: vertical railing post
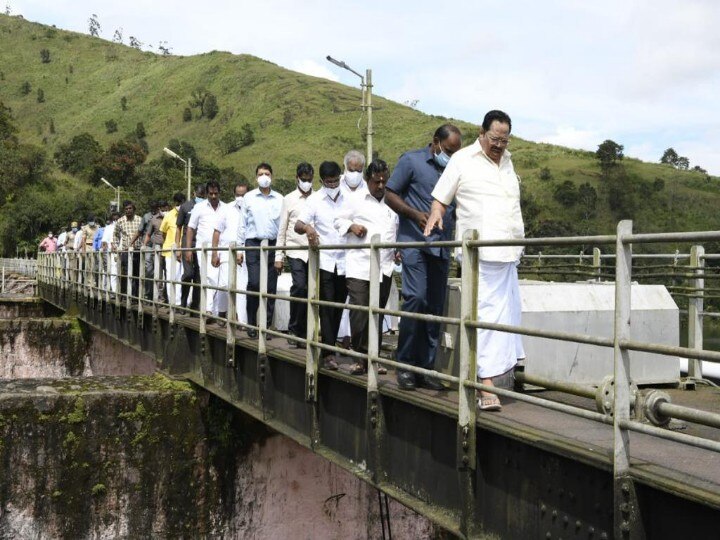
[466,444]
[231,303]
[128,278]
[142,280]
[2,287]
[597,263]
[262,304]
[627,522]
[202,260]
[171,287]
[156,291]
[375,417]
[312,353]
[695,309]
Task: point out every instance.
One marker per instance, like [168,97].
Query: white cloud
[586,139]
[310,67]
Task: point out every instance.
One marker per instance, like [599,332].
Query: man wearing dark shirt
[425,270]
[191,270]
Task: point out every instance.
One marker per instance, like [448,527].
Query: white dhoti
[211,275]
[344,329]
[498,302]
[173,276]
[241,277]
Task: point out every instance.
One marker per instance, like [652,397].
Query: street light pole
[117,192]
[366,86]
[188,167]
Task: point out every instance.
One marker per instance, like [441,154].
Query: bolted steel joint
[651,406]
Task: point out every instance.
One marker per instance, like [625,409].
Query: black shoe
[430,383]
[406,380]
[252,333]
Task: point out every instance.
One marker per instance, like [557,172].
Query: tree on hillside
[210,106]
[140,130]
[118,35]
[25,88]
[119,161]
[587,200]
[608,154]
[698,168]
[40,95]
[566,193]
[683,163]
[669,157]
[94,25]
[7,126]
[163,48]
[135,43]
[111,126]
[45,56]
[80,156]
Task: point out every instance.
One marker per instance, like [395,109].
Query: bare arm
[437,212]
[395,202]
[188,243]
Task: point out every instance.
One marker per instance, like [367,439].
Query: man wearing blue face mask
[424,270]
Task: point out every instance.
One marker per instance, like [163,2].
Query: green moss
[78,414]
[98,490]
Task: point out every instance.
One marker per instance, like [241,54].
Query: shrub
[45,56]
[111,126]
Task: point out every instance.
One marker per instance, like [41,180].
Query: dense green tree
[608,154]
[111,126]
[140,130]
[669,157]
[94,25]
[566,193]
[545,174]
[123,103]
[210,106]
[25,88]
[45,56]
[7,125]
[80,156]
[40,95]
[235,139]
[587,200]
[683,163]
[187,114]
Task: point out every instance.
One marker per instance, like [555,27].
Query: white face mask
[264,181]
[239,201]
[305,187]
[353,178]
[332,192]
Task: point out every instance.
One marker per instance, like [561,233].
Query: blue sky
[643,73]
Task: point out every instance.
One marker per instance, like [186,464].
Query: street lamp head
[172,154]
[107,183]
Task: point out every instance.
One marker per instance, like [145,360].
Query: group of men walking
[434,193]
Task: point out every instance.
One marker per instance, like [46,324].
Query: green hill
[88,83]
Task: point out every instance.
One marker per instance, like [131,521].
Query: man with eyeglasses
[425,270]
[482,181]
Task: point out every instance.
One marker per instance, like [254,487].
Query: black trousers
[332,289]
[135,272]
[298,311]
[253,267]
[359,291]
[191,274]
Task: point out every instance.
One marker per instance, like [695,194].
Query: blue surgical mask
[198,200]
[442,159]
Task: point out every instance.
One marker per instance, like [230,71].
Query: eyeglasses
[497,140]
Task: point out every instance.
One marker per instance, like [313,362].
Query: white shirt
[61,241]
[78,240]
[487,197]
[293,203]
[377,217]
[320,211]
[107,237]
[203,218]
[229,224]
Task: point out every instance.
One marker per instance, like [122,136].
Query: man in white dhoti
[486,189]
[201,228]
[230,225]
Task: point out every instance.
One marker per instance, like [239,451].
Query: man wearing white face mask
[352,177]
[293,204]
[317,221]
[261,213]
[229,223]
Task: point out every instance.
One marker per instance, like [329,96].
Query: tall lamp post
[188,167]
[117,191]
[366,85]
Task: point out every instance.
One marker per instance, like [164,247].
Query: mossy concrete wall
[151,457]
[64,347]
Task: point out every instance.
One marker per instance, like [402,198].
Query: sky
[644,73]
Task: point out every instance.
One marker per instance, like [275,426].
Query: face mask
[238,201]
[353,178]
[162,213]
[397,268]
[50,235]
[442,159]
[91,223]
[74,229]
[304,186]
[198,200]
[332,192]
[264,181]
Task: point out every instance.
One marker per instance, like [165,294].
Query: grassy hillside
[296,117]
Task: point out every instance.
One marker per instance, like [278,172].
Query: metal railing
[89,274]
